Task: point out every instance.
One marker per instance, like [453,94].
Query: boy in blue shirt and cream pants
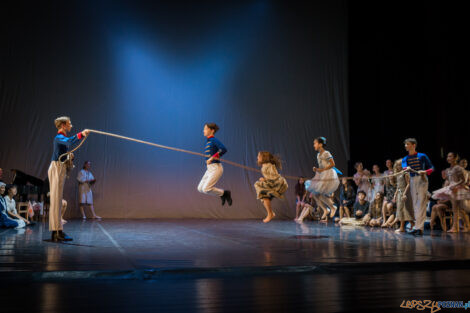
[422,166]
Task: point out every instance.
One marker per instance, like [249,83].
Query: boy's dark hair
[85,163]
[213,126]
[413,141]
[362,191]
[9,187]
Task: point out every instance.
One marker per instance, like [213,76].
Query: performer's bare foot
[384,225]
[97,217]
[453,230]
[465,230]
[333,212]
[269,218]
[324,216]
[398,231]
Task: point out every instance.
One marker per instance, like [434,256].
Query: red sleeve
[216,156]
[79,135]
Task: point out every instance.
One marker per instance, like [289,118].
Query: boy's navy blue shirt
[62,144]
[214,148]
[418,162]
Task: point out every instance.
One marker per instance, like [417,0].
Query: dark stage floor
[220,265]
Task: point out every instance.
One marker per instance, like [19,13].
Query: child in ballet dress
[402,197]
[457,191]
[326,179]
[272,184]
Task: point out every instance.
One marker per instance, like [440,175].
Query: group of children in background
[387,199]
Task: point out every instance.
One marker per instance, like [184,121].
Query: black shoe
[223,198]
[56,236]
[64,236]
[416,232]
[228,197]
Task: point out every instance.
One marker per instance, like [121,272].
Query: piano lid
[21,178]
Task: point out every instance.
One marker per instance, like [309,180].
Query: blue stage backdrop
[273,75]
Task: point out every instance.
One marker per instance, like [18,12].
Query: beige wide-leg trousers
[56,173]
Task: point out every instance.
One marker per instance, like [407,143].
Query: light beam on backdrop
[166,92]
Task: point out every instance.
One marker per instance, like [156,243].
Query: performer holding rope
[213,151]
[420,167]
[57,172]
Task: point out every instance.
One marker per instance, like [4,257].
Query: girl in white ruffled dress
[326,179]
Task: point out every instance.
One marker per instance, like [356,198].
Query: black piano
[28,185]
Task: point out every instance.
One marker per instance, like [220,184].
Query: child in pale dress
[378,181]
[85,180]
[272,184]
[438,210]
[457,191]
[326,179]
[11,208]
[5,220]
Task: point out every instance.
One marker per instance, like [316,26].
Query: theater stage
[228,265]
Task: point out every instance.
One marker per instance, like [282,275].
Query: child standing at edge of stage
[57,172]
[214,149]
[326,179]
[271,184]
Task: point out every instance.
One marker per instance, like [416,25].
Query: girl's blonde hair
[268,157]
[396,165]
